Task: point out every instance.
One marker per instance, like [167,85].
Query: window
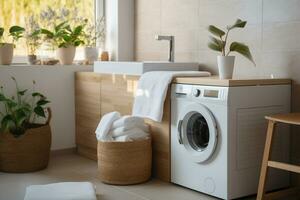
[42,13]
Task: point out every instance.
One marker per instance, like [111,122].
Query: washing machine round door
[197,132]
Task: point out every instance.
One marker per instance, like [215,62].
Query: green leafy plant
[16,32]
[219,40]
[63,35]
[22,110]
[95,33]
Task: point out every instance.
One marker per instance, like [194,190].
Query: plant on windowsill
[24,143]
[33,39]
[6,48]
[218,43]
[66,39]
[94,39]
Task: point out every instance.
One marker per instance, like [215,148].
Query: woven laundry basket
[27,153]
[125,163]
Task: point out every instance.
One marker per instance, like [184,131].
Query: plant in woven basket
[21,111]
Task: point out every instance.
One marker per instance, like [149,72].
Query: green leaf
[15,29]
[78,30]
[238,24]
[242,49]
[42,102]
[48,33]
[214,47]
[1,31]
[7,122]
[11,104]
[2,97]
[39,111]
[67,38]
[217,42]
[22,92]
[60,26]
[37,94]
[20,117]
[216,31]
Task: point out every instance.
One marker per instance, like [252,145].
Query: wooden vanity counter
[97,94]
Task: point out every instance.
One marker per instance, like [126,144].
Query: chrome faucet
[172,45]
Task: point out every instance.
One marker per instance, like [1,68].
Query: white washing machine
[218,136]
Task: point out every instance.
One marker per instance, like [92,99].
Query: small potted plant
[33,39]
[218,43]
[66,39]
[24,144]
[94,34]
[6,48]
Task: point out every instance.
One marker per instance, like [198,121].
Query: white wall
[57,83]
[120,29]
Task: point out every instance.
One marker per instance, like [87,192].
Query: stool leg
[266,155]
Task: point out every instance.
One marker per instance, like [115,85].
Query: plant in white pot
[219,42]
[7,48]
[66,39]
[33,39]
[94,38]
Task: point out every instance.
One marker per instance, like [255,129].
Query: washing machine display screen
[197,132]
[211,93]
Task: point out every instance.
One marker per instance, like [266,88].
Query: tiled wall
[272,32]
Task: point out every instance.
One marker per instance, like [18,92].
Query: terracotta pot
[66,55]
[6,53]
[91,54]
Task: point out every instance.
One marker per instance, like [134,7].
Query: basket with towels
[124,149]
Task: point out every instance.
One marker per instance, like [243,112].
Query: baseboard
[63,151]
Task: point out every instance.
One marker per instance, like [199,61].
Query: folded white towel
[128,122]
[124,131]
[105,125]
[133,134]
[152,91]
[61,191]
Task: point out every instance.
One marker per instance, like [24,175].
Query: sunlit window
[34,14]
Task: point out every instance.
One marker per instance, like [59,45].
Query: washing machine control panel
[199,92]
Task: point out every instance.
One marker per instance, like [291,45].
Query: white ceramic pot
[66,55]
[6,53]
[226,66]
[91,54]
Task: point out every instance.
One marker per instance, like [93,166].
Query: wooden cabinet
[98,94]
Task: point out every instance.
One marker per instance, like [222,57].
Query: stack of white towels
[114,127]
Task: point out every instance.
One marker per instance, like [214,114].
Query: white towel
[128,122]
[105,125]
[124,131]
[61,191]
[133,134]
[152,91]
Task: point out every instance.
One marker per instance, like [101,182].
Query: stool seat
[289,118]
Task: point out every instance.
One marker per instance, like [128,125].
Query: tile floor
[71,167]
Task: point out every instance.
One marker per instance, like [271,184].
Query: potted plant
[7,49]
[24,144]
[66,39]
[94,34]
[218,43]
[33,39]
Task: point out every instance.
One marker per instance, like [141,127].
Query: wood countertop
[215,81]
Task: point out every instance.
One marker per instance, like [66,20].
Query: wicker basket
[27,153]
[124,163]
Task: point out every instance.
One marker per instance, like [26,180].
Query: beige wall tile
[281,11]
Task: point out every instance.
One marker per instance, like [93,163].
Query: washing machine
[218,135]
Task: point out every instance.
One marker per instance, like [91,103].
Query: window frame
[99,10]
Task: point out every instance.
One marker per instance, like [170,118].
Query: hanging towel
[128,122]
[124,131]
[61,191]
[133,134]
[105,125]
[152,90]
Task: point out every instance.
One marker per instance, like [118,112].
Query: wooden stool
[293,119]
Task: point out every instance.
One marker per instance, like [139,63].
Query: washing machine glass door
[197,132]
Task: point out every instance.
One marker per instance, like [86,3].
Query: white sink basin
[138,68]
